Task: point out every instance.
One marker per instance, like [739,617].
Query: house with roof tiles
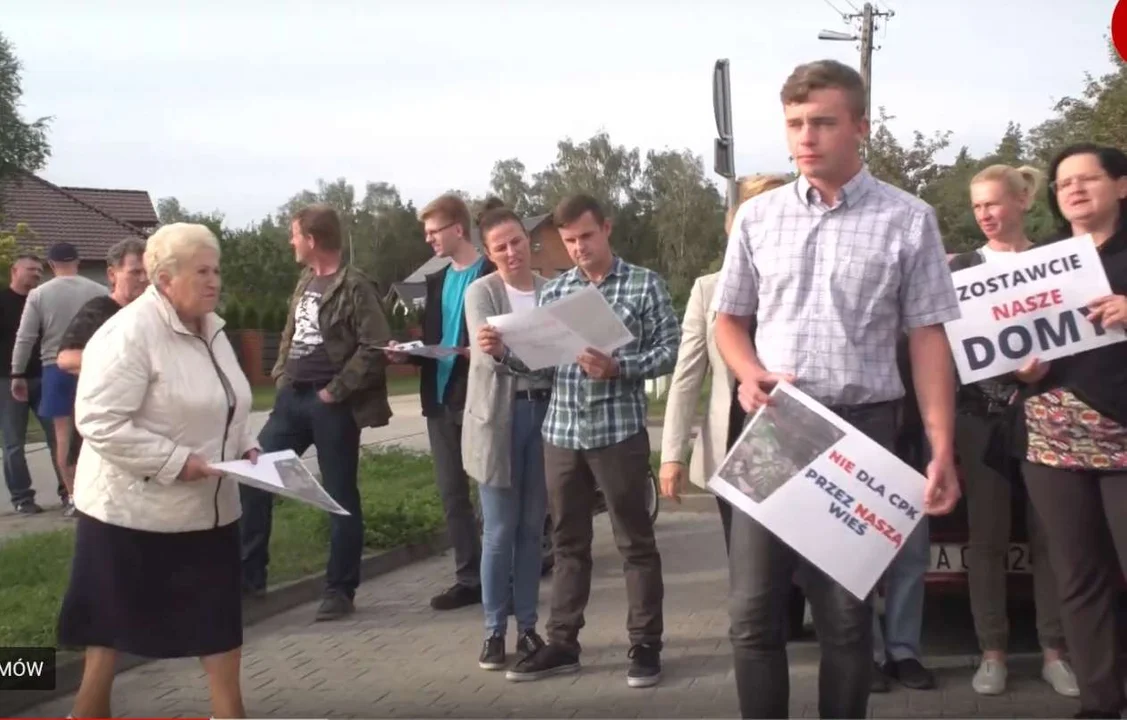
[91,219]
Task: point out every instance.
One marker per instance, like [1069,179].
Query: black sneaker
[545,662]
[458,596]
[645,666]
[492,653]
[910,673]
[528,644]
[335,606]
[879,683]
[28,507]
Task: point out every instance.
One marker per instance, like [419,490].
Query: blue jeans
[903,600]
[300,419]
[514,526]
[13,428]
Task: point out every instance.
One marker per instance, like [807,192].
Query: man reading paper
[832,266]
[595,434]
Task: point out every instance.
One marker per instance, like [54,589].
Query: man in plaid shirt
[595,435]
[835,267]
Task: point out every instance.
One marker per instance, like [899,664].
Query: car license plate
[952,559]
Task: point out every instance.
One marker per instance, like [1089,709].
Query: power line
[840,13]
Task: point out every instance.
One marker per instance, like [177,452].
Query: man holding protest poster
[832,266]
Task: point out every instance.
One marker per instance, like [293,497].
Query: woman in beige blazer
[501,443]
[697,356]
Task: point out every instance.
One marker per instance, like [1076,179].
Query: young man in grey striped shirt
[834,267]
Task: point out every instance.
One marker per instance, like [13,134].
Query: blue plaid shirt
[584,413]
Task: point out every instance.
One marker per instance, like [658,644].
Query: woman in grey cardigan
[501,443]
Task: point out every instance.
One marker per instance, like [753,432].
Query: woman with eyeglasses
[1075,460]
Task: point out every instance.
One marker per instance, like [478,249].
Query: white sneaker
[990,679]
[1060,676]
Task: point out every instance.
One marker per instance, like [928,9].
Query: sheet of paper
[823,487]
[556,334]
[1031,306]
[416,347]
[282,473]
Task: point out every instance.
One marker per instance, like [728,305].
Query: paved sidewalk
[398,658]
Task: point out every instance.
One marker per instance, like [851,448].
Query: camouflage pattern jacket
[353,325]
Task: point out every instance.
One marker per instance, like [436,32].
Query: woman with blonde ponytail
[1001,195]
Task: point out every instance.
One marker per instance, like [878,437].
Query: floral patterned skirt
[1064,432]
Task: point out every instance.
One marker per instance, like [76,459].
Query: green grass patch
[401,506]
[403,385]
[264,394]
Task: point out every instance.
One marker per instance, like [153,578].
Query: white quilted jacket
[149,393]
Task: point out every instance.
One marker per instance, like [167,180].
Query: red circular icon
[1119,28]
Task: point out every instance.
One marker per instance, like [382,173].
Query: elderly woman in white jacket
[161,397]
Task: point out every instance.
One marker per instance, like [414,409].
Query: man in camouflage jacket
[332,382]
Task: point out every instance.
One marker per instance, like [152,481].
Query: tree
[908,168]
[23,144]
[685,214]
[258,265]
[596,167]
[169,210]
[1098,115]
[11,244]
[507,181]
[397,248]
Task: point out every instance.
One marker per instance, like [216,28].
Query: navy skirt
[157,595]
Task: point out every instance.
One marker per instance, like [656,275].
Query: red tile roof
[56,215]
[133,206]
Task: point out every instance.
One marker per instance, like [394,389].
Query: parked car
[950,536]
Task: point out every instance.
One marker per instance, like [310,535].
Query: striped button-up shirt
[833,288]
[585,413]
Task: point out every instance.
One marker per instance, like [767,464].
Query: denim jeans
[899,639]
[301,419]
[514,525]
[13,428]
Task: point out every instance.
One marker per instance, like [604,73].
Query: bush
[278,317]
[251,318]
[233,315]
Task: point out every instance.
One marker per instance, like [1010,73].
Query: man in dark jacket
[442,386]
[332,382]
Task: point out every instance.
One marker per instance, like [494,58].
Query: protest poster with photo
[823,487]
[1032,306]
[282,473]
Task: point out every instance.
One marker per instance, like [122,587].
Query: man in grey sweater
[46,316]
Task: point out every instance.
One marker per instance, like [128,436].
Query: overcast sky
[238,105]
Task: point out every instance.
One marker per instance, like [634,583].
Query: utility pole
[868,17]
[867,65]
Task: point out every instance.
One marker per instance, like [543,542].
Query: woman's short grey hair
[174,244]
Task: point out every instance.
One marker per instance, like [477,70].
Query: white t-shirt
[991,255]
[520,300]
